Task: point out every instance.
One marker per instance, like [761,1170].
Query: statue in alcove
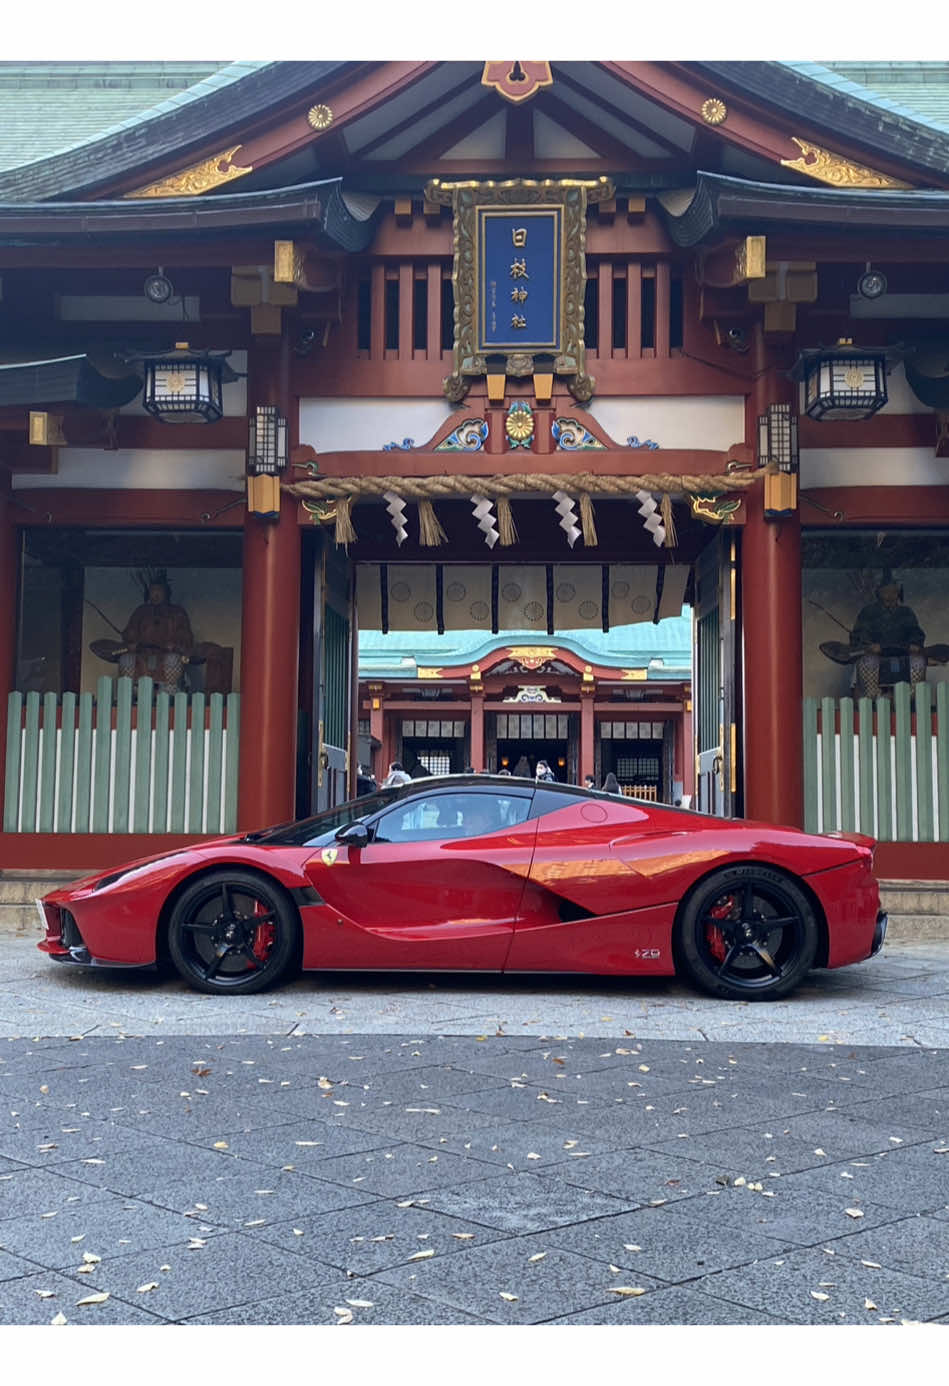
[157,637]
[887,644]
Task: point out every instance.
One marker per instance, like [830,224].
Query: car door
[438,886]
[585,907]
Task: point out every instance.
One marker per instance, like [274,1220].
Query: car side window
[445,817]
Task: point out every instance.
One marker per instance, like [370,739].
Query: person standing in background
[611,784]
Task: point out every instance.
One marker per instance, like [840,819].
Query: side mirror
[353,835]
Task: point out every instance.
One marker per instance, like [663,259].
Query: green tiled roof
[663,649]
[46,108]
[915,90]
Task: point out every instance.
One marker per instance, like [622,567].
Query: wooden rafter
[608,108]
[364,150]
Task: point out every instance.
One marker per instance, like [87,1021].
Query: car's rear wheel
[747,933]
[232,931]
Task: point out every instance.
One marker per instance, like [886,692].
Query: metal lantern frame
[198,398]
[267,453]
[779,457]
[777,438]
[843,382]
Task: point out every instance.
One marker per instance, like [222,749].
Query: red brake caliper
[713,934]
[264,935]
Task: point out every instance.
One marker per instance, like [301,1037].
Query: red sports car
[488,874]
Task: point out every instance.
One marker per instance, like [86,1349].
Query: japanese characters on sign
[519,262]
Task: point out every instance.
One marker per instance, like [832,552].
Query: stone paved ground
[426,1150]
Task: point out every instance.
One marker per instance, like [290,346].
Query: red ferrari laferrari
[488,874]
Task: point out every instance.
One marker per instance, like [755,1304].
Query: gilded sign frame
[572,196]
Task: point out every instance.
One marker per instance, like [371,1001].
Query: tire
[232,931]
[748,933]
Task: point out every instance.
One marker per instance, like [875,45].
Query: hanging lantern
[778,455]
[266,441]
[184,386]
[843,382]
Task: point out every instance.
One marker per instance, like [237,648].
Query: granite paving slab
[801,1215]
[379,1304]
[928,1110]
[58,1141]
[37,1299]
[420,1122]
[911,1178]
[524,1202]
[642,1176]
[423,1085]
[25,1190]
[672,1306]
[791,1144]
[247,1198]
[302,1145]
[400,1170]
[515,1281]
[812,1287]
[377,1236]
[917,1244]
[668,1248]
[229,1271]
[527,1145]
[109,1228]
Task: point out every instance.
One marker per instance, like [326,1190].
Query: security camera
[736,337]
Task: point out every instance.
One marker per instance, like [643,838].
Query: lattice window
[435,762]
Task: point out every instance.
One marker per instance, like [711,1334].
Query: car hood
[114,873]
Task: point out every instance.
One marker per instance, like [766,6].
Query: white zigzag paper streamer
[396,508]
[652,519]
[567,510]
[487,520]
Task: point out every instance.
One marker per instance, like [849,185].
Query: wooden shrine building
[290,350]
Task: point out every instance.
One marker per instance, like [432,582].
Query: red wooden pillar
[587,756]
[270,630]
[688,749]
[771,630]
[477,726]
[377,732]
[8,604]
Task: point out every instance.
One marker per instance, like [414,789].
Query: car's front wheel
[232,931]
[747,933]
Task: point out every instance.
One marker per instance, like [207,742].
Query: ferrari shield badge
[329,855]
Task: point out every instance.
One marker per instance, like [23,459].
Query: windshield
[323,827]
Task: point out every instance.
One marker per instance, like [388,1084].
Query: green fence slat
[924,763]
[122,774]
[162,746]
[942,758]
[84,763]
[865,762]
[811,806]
[31,754]
[102,756]
[828,761]
[47,804]
[215,761]
[67,764]
[848,810]
[196,778]
[179,763]
[143,755]
[884,771]
[232,743]
[903,745]
[11,768]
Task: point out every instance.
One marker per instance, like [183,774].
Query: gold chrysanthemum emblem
[714,111]
[319,117]
[519,424]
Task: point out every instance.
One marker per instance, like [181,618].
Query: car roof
[498,784]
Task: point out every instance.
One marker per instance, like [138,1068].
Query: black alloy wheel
[747,933]
[232,931]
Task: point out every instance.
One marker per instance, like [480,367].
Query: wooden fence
[879,766]
[100,763]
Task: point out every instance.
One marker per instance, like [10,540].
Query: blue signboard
[519,278]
